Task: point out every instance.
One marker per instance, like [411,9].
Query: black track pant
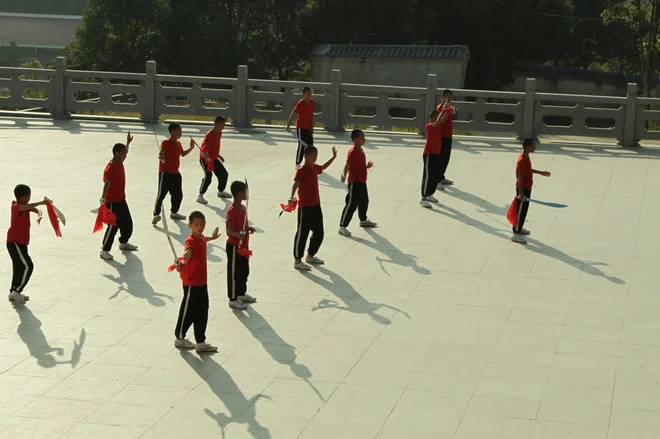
[445,155]
[124,225]
[238,270]
[194,311]
[22,265]
[169,184]
[308,138]
[522,207]
[357,198]
[431,174]
[310,219]
[220,173]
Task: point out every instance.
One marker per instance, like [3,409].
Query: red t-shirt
[193,273]
[308,185]
[236,218]
[117,176]
[211,145]
[447,127]
[358,161]
[524,166]
[19,229]
[433,139]
[305,113]
[173,151]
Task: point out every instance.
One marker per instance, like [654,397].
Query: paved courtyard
[433,325]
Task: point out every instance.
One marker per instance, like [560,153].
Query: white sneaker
[424,202]
[518,239]
[302,266]
[17,297]
[106,255]
[183,343]
[156,220]
[314,260]
[128,247]
[343,231]
[11,297]
[524,232]
[205,347]
[237,304]
[246,298]
[177,216]
[368,223]
[224,194]
[446,182]
[432,199]
[440,187]
[201,199]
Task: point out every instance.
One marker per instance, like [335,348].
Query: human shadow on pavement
[330,181]
[241,409]
[532,245]
[353,301]
[483,206]
[29,330]
[133,281]
[394,255]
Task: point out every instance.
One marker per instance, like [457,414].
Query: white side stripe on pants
[350,201]
[300,222]
[161,178]
[107,232]
[185,311]
[233,273]
[25,272]
[425,183]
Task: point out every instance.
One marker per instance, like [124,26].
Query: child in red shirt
[18,239]
[212,162]
[194,308]
[357,197]
[447,134]
[524,183]
[238,236]
[169,178]
[432,158]
[304,123]
[114,197]
[310,216]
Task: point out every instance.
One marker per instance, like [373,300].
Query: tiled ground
[433,325]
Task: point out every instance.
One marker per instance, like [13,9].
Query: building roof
[363,51]
[44,7]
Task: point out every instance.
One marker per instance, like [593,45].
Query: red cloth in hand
[244,252]
[54,219]
[289,207]
[512,215]
[172,267]
[104,217]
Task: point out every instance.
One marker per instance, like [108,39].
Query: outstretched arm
[332,159]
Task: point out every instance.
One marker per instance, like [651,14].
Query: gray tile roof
[362,51]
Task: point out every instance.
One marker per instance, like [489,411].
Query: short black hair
[119,147]
[219,119]
[356,133]
[434,114]
[195,215]
[447,92]
[237,187]
[22,190]
[173,127]
[310,149]
[527,141]
[306,89]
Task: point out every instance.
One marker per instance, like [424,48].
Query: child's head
[219,123]
[306,92]
[357,136]
[197,222]
[119,151]
[238,190]
[311,154]
[433,116]
[447,96]
[175,131]
[528,145]
[22,192]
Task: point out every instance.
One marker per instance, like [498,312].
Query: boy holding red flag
[431,158]
[212,162]
[447,133]
[304,123]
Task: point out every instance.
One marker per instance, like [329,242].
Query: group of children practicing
[192,265]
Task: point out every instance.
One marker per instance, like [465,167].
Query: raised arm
[189,150]
[332,159]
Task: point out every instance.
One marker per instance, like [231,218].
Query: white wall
[38,31]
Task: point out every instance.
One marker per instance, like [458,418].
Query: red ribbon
[512,214]
[54,219]
[172,267]
[289,207]
[243,251]
[104,217]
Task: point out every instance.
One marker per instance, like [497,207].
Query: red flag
[54,219]
[104,217]
[243,251]
[512,215]
[172,267]
[289,207]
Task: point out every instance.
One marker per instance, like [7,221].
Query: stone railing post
[149,115]
[241,113]
[59,87]
[630,121]
[335,120]
[431,89]
[529,105]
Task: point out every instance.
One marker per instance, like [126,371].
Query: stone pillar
[335,119]
[529,105]
[630,121]
[241,113]
[58,98]
[431,90]
[149,115]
